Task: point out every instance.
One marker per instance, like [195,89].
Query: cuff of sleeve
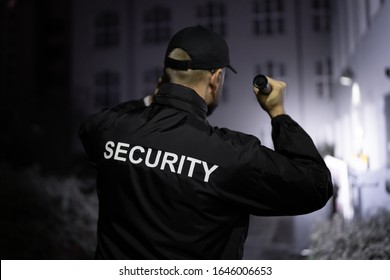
[280,118]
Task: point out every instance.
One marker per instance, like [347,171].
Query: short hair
[187,77]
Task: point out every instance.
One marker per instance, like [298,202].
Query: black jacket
[171,186]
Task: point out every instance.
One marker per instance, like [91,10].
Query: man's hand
[272,103]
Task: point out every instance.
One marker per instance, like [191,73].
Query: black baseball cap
[207,50]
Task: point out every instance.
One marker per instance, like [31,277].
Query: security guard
[171,186]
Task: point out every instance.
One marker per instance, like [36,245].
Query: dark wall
[35,82]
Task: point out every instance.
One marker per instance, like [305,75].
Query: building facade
[119,49]
[361,79]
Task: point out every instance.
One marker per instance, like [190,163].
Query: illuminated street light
[346,78]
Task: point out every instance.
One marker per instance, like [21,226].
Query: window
[212,15]
[269,17]
[107,30]
[321,20]
[157,25]
[107,88]
[271,68]
[323,74]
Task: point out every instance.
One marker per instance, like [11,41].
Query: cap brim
[231,68]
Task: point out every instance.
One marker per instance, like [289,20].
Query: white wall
[368,56]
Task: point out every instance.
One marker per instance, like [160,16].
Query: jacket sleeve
[292,179]
[89,133]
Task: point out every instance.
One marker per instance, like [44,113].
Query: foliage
[46,217]
[54,217]
[365,239]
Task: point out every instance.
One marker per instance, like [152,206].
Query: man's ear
[216,78]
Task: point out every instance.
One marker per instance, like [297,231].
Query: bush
[46,217]
[367,239]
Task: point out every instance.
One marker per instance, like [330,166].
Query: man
[171,186]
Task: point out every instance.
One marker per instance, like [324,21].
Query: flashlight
[261,82]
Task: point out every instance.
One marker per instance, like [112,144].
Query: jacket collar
[182,98]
